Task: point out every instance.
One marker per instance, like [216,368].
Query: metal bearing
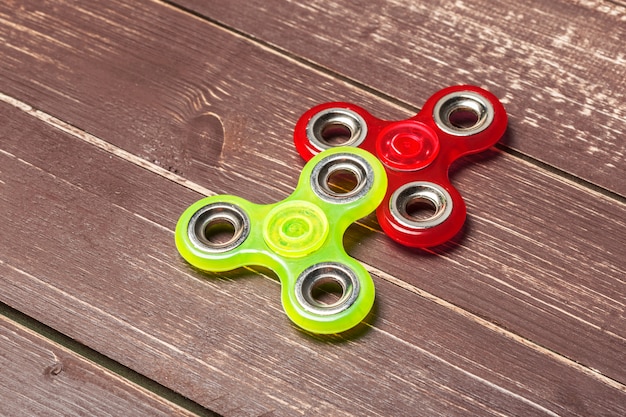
[336,122]
[327,273]
[451,111]
[420,192]
[216,215]
[352,164]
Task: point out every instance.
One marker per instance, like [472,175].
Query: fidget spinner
[299,238]
[421,207]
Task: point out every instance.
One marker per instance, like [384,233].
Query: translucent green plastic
[293,236]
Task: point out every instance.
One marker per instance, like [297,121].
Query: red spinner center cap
[407,145]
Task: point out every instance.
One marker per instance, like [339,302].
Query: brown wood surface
[116,284]
[558,66]
[521,314]
[41,378]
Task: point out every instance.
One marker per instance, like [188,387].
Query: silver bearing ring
[336,127]
[218,218]
[327,273]
[463,113]
[355,167]
[424,193]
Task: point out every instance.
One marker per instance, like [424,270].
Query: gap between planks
[134,159]
[127,375]
[394,101]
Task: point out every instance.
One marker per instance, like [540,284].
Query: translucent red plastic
[415,152]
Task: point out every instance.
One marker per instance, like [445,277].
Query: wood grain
[522,314]
[41,378]
[540,256]
[559,67]
[112,280]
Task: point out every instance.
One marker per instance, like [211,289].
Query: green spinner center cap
[295,228]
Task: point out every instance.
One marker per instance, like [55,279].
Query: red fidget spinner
[421,208]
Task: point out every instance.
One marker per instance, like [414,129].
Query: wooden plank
[42,378]
[558,66]
[223,118]
[95,259]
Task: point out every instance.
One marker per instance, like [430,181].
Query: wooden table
[117,115]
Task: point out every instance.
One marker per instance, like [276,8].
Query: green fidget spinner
[299,238]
